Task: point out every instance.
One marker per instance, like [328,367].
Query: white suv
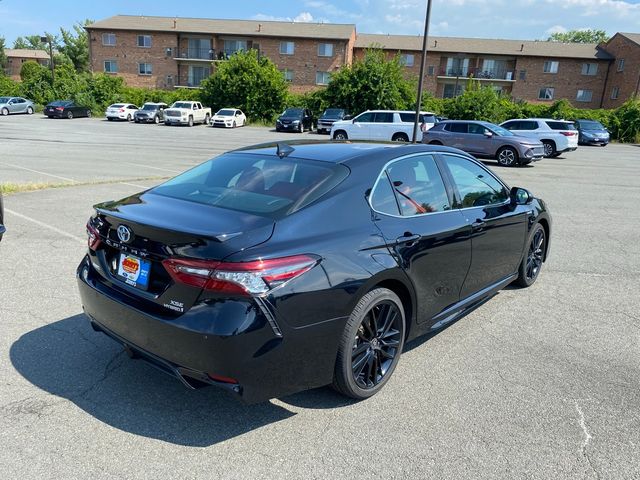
[557,136]
[381,125]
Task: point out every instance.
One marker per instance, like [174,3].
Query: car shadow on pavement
[68,359]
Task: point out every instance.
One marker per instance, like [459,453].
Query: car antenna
[283,150]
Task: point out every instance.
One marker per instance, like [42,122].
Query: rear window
[262,185]
[561,126]
[117,105]
[61,103]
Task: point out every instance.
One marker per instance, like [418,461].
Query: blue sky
[521,19]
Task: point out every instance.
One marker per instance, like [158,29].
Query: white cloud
[302,17]
[555,29]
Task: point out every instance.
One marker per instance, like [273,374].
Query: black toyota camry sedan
[278,268]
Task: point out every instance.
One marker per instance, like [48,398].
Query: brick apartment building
[17,56]
[165,52]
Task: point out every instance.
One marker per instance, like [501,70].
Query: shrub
[248,82]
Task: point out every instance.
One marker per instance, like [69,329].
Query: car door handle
[478,224]
[408,239]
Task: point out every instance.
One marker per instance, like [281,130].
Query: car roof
[343,152]
[467,121]
[399,111]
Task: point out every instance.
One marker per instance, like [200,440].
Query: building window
[523,74]
[452,90]
[287,75]
[323,78]
[407,59]
[110,66]
[233,46]
[287,48]
[109,39]
[145,69]
[545,93]
[584,96]
[621,64]
[431,70]
[325,49]
[550,66]
[589,68]
[144,41]
[615,91]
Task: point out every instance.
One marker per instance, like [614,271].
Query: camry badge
[125,234]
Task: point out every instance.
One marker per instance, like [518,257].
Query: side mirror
[488,134]
[520,196]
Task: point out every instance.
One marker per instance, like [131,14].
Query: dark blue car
[591,132]
[278,268]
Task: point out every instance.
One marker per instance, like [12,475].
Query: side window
[365,117]
[529,125]
[458,127]
[418,186]
[512,126]
[384,117]
[476,129]
[476,186]
[383,199]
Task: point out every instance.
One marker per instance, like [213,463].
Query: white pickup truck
[187,113]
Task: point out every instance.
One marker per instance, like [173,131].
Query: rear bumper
[231,339]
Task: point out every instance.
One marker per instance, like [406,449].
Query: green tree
[579,36]
[248,82]
[373,82]
[475,103]
[34,42]
[3,56]
[36,82]
[75,45]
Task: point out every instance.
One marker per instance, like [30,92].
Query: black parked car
[150,113]
[248,272]
[591,132]
[66,109]
[2,227]
[329,116]
[295,120]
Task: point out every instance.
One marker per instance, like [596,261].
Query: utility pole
[48,40]
[422,68]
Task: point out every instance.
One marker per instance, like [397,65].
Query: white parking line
[134,185]
[49,227]
[149,166]
[39,172]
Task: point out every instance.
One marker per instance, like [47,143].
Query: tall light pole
[47,39]
[422,67]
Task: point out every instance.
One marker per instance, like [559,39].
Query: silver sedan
[15,105]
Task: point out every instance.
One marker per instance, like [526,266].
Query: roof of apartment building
[634,37]
[484,46]
[26,53]
[227,27]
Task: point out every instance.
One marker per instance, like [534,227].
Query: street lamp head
[44,39]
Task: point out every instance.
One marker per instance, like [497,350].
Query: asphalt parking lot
[538,383]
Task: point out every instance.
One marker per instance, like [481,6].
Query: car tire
[5,112]
[190,121]
[532,261]
[340,135]
[206,119]
[435,142]
[556,155]
[371,345]
[549,148]
[129,117]
[400,137]
[70,115]
[109,119]
[29,110]
[88,113]
[234,124]
[167,124]
[301,128]
[507,157]
[156,119]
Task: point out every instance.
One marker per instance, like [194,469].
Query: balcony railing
[197,53]
[479,73]
[189,81]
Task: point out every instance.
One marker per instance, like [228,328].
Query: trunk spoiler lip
[221,237]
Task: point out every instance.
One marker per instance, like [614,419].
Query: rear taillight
[121,110]
[243,278]
[93,237]
[568,134]
[60,109]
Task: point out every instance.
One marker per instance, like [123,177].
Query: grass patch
[8,188]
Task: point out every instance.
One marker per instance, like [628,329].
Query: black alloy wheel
[371,345]
[69,115]
[507,157]
[532,262]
